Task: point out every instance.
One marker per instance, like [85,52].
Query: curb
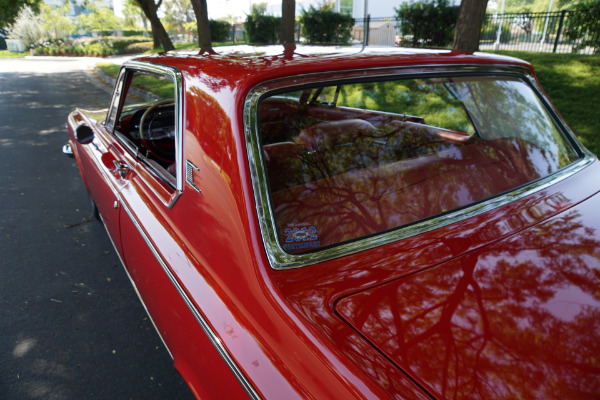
[103,77]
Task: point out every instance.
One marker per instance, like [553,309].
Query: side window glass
[147,120]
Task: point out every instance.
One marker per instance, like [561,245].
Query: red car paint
[501,304]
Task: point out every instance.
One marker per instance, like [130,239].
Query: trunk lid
[519,318]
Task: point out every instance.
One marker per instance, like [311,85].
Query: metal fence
[543,32]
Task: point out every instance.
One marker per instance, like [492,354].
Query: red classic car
[337,224]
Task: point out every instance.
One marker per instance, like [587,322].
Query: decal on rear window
[300,236]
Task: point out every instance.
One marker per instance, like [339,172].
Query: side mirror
[84,134]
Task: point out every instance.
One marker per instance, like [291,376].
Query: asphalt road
[71,325]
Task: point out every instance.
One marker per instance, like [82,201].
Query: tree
[324,25]
[346,6]
[9,9]
[288,22]
[220,31]
[429,22]
[27,26]
[97,17]
[259,8]
[204,41]
[262,28]
[531,6]
[468,26]
[178,14]
[584,24]
[55,23]
[158,30]
[49,24]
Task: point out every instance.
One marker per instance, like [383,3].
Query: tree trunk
[288,21]
[155,39]
[468,26]
[145,24]
[204,40]
[158,30]
[163,37]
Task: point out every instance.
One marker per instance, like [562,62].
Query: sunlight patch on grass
[10,54]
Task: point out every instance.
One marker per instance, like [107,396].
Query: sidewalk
[96,75]
[91,60]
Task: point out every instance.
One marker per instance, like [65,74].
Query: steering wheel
[152,107]
[158,150]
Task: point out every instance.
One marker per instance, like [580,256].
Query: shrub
[505,33]
[140,47]
[102,33]
[50,47]
[27,27]
[48,24]
[262,28]
[76,50]
[323,25]
[99,47]
[584,23]
[219,30]
[430,22]
[129,32]
[489,31]
[120,43]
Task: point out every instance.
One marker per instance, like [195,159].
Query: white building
[378,8]
[375,8]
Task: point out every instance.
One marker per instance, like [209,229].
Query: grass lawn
[109,69]
[572,81]
[10,54]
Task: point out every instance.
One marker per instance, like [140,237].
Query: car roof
[240,66]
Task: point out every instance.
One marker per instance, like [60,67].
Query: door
[105,172]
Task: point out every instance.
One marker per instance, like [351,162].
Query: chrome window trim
[115,99]
[177,78]
[279,259]
[210,333]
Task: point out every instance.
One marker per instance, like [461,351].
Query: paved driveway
[71,326]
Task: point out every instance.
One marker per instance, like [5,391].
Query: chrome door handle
[122,168]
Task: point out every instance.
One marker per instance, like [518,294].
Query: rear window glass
[346,161]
